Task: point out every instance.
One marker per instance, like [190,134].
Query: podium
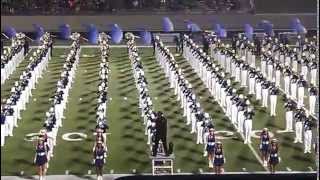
[162,164]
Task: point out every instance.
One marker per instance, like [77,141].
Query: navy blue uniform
[274,158]
[41,158]
[211,143]
[218,157]
[265,139]
[99,157]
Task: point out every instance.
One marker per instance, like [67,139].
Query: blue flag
[65,31]
[192,27]
[10,31]
[297,26]
[92,33]
[167,25]
[267,27]
[116,34]
[248,31]
[145,36]
[39,31]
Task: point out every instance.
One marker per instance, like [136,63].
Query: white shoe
[305,151]
[295,141]
[245,142]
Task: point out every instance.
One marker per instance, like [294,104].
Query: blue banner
[10,31]
[65,31]
[116,34]
[92,33]
[39,31]
[248,31]
[146,37]
[167,25]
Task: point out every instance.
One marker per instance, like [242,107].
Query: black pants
[164,142]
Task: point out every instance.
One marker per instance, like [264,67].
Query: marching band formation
[200,121]
[100,149]
[12,57]
[265,71]
[53,119]
[155,122]
[21,92]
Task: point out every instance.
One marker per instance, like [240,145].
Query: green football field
[126,140]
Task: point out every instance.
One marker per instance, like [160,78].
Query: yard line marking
[178,170]
[111,171]
[256,154]
[67,172]
[283,131]
[310,168]
[288,169]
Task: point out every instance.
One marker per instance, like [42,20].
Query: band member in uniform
[218,158]
[301,83]
[99,155]
[248,114]
[299,117]
[264,145]
[313,93]
[314,68]
[290,106]
[40,158]
[293,82]
[210,146]
[273,99]
[287,75]
[274,157]
[307,127]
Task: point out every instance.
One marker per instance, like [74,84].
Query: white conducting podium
[162,164]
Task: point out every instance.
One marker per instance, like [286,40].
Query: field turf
[126,142]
